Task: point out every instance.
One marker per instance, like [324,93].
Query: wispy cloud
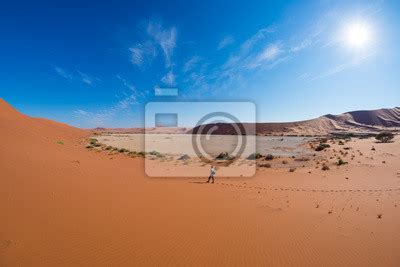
[165,38]
[268,54]
[260,35]
[126,83]
[169,79]
[94,119]
[142,54]
[255,52]
[77,75]
[309,39]
[63,73]
[341,67]
[124,104]
[89,80]
[191,63]
[225,42]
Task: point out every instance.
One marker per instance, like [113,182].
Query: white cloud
[127,102]
[304,44]
[341,67]
[107,116]
[94,119]
[169,79]
[260,35]
[142,54]
[87,79]
[268,54]
[232,74]
[225,42]
[310,39]
[63,73]
[126,83]
[137,56]
[165,38]
[79,76]
[191,63]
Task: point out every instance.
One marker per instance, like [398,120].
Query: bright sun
[357,35]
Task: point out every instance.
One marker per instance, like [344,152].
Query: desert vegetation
[384,137]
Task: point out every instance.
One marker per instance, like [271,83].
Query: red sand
[61,204]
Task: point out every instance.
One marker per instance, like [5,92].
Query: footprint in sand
[5,244]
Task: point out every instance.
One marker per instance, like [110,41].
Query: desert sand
[63,204]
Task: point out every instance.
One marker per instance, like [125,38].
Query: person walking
[213,171]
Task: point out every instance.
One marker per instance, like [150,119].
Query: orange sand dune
[363,121]
[61,204]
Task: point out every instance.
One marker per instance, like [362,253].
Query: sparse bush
[284,162]
[325,167]
[265,165]
[302,159]
[123,150]
[254,156]
[292,169]
[341,162]
[60,142]
[324,140]
[225,156]
[156,153]
[93,141]
[384,137]
[140,154]
[184,157]
[341,143]
[108,148]
[269,157]
[89,146]
[322,146]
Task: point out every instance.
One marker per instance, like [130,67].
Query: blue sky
[97,63]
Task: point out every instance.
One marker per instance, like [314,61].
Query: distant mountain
[357,122]
[153,130]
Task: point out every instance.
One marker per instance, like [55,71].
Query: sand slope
[355,121]
[362,121]
[61,204]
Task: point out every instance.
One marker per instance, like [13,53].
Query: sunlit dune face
[357,35]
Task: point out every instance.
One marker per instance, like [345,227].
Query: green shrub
[93,141]
[384,137]
[322,146]
[341,162]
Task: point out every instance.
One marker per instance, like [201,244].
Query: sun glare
[357,35]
